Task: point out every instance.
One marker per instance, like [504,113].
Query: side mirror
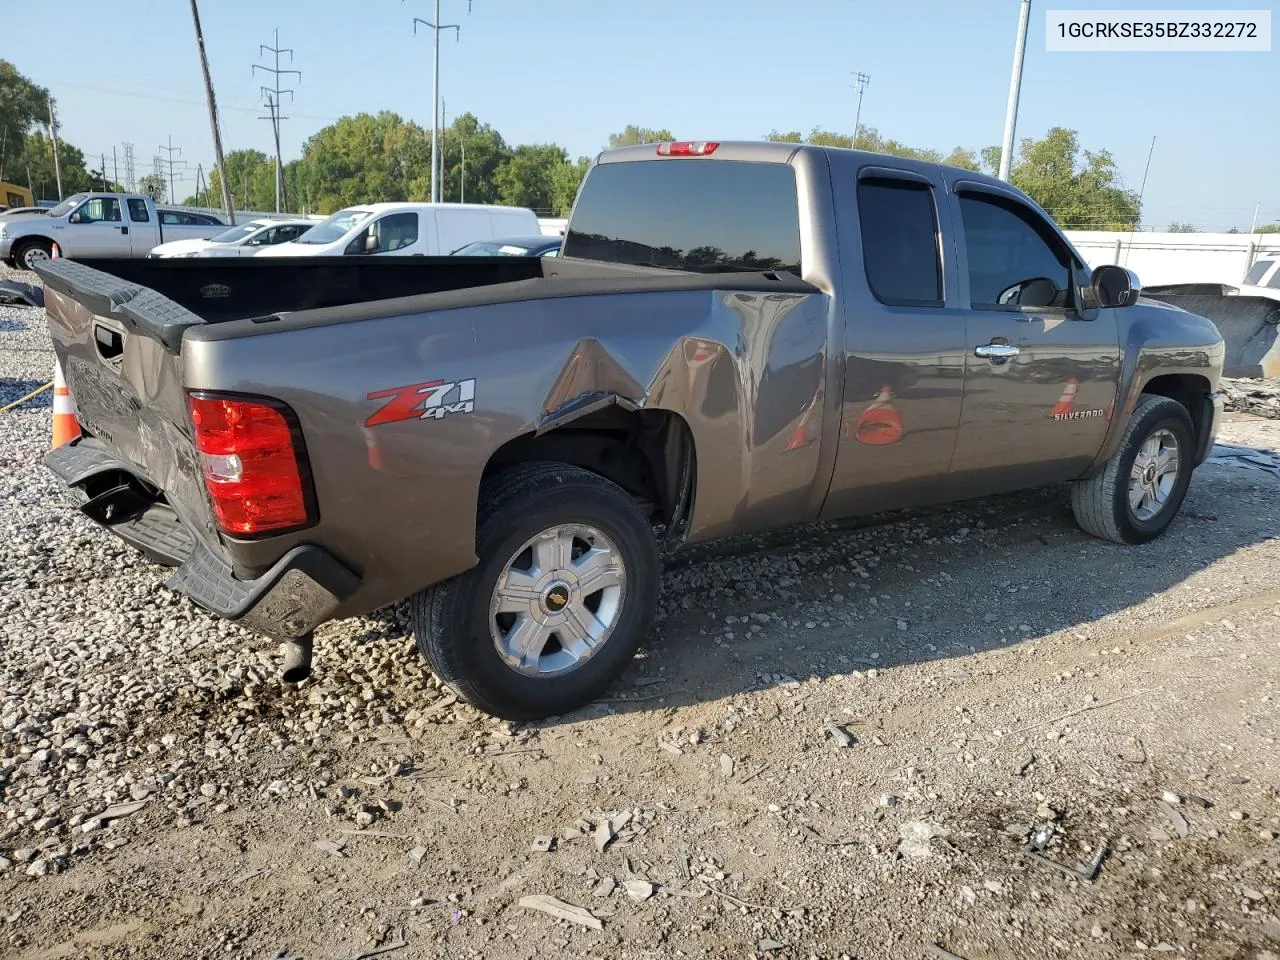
[1114,286]
[371,243]
[76,217]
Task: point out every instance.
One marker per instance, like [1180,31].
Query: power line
[272,96]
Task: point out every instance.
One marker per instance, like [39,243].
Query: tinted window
[100,209]
[702,215]
[1014,258]
[900,241]
[138,210]
[1258,271]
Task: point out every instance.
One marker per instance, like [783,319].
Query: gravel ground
[840,742]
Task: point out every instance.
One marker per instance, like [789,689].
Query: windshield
[327,231]
[67,205]
[490,248]
[237,233]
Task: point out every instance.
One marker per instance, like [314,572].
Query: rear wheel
[30,252]
[1137,494]
[565,586]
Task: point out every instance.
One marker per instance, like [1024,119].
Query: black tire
[23,247]
[451,620]
[1101,503]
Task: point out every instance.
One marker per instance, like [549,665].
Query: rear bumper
[299,592]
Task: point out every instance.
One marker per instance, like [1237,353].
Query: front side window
[100,210]
[138,210]
[900,241]
[697,214]
[395,232]
[336,227]
[1015,260]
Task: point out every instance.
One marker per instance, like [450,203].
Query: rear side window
[900,241]
[138,210]
[700,215]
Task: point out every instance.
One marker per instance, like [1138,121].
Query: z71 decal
[433,400]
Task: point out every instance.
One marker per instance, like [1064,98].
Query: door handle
[996,351]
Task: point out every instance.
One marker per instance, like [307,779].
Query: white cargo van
[406,230]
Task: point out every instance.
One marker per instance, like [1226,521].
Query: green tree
[251,175]
[633,135]
[23,105]
[154,186]
[365,158]
[528,178]
[1080,189]
[565,181]
[486,151]
[1180,228]
[1269,228]
[76,177]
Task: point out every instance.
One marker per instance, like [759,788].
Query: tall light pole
[1015,89]
[860,81]
[436,27]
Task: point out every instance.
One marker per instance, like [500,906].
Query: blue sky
[572,71]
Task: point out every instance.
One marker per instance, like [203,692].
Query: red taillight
[687,148]
[249,463]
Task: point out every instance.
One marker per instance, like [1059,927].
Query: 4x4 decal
[433,400]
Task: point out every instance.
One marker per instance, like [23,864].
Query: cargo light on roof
[687,148]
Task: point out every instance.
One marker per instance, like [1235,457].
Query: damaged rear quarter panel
[398,501]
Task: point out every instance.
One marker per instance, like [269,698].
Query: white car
[243,240]
[407,230]
[1263,278]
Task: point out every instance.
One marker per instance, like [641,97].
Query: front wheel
[566,583]
[28,254]
[1139,491]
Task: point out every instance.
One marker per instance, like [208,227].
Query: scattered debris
[562,911]
[888,800]
[1203,803]
[1133,751]
[399,944]
[670,747]
[768,946]
[837,733]
[331,846]
[384,834]
[916,836]
[755,773]
[941,952]
[1178,820]
[1228,454]
[1170,798]
[417,855]
[1087,872]
[1026,764]
[726,765]
[1084,709]
[117,810]
[1042,836]
[640,890]
[542,845]
[605,887]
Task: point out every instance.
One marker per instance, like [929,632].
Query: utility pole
[1253,227]
[227,206]
[462,141]
[104,173]
[53,135]
[115,167]
[1015,90]
[272,95]
[1143,189]
[860,81]
[171,150]
[436,28]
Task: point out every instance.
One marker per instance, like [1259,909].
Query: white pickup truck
[101,225]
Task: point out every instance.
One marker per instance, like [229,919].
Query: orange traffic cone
[880,424]
[65,426]
[1067,402]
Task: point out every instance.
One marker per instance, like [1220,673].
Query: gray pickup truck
[738,336]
